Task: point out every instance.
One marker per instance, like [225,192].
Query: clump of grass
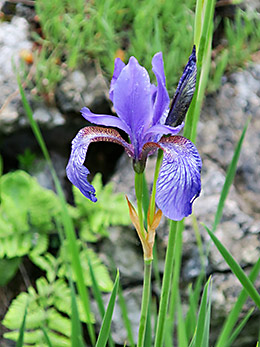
[78,31]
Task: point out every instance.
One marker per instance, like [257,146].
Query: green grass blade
[181,331]
[191,317]
[146,202]
[239,328]
[169,260]
[146,198]
[76,328]
[1,166]
[123,307]
[205,340]
[234,313]
[175,274]
[96,290]
[148,328]
[203,32]
[198,22]
[19,342]
[105,327]
[202,317]
[229,177]
[67,222]
[1,173]
[98,297]
[236,269]
[47,339]
[125,317]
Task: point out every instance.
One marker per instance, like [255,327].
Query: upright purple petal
[132,100]
[184,92]
[119,65]
[158,130]
[178,184]
[104,119]
[77,173]
[162,98]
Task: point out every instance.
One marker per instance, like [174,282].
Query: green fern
[94,219]
[27,213]
[57,266]
[101,273]
[49,308]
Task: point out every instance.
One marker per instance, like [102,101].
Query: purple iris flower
[144,114]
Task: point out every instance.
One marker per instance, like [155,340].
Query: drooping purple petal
[162,98]
[184,92]
[119,65]
[178,184]
[77,173]
[103,119]
[132,100]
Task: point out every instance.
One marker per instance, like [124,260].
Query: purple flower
[144,114]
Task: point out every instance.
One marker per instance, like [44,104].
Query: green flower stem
[145,301]
[166,285]
[156,174]
[139,197]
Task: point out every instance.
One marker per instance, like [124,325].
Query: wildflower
[144,114]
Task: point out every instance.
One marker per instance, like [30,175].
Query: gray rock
[81,88]
[13,39]
[124,249]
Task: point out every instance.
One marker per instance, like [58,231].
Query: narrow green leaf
[239,328]
[236,269]
[123,307]
[76,329]
[67,222]
[234,313]
[202,318]
[148,328]
[198,22]
[146,202]
[203,32]
[181,331]
[146,198]
[19,342]
[105,327]
[205,340]
[166,285]
[175,273]
[125,317]
[98,296]
[191,317]
[229,178]
[48,341]
[1,173]
[96,290]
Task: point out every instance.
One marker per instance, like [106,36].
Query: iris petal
[119,65]
[160,129]
[132,100]
[178,184]
[76,171]
[162,98]
[184,92]
[103,119]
